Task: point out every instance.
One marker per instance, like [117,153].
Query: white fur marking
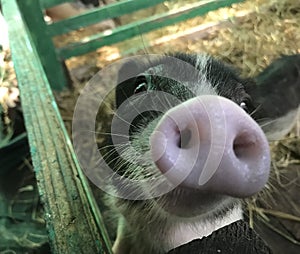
[183,233]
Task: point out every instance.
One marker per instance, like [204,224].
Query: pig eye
[244,106]
[141,85]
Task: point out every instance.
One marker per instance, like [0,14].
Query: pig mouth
[186,202]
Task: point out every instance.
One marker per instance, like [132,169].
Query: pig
[68,10]
[195,138]
[280,85]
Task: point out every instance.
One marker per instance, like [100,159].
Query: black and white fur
[161,224]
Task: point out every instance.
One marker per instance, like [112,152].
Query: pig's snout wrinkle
[209,143]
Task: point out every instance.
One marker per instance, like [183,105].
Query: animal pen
[41,69]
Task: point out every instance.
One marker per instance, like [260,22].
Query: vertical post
[34,18]
[72,216]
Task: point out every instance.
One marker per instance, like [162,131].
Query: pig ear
[276,96]
[127,76]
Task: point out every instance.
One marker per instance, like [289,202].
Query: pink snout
[209,143]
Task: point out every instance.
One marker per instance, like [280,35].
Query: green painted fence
[72,216]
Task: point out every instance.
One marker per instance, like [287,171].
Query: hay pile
[250,37]
[22,227]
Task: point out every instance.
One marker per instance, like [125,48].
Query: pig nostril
[184,138]
[245,146]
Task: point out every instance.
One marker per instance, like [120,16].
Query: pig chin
[187,203]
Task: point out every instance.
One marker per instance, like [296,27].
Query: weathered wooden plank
[96,15]
[72,216]
[137,28]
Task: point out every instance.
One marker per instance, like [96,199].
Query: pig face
[206,131]
[204,139]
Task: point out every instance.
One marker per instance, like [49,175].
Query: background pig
[206,143]
[277,96]
[67,10]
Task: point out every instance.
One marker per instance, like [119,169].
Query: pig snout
[209,143]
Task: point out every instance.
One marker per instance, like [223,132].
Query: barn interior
[249,35]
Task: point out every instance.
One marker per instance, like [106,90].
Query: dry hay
[262,31]
[22,227]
